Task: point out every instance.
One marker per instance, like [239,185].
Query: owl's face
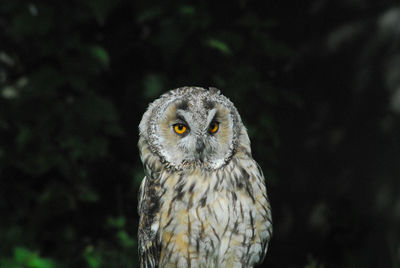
[192,126]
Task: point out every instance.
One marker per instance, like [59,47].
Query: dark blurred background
[317,83]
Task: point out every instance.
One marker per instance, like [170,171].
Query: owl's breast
[206,221]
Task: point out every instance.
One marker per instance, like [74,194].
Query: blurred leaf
[153,85]
[31,259]
[149,14]
[187,10]
[92,257]
[118,222]
[125,239]
[40,263]
[23,138]
[100,54]
[9,92]
[6,59]
[9,263]
[219,45]
[22,255]
[28,23]
[12,91]
[88,195]
[101,8]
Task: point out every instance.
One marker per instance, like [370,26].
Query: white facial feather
[196,108]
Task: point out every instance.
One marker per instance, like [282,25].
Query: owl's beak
[200,148]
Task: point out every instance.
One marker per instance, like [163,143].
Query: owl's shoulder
[148,208]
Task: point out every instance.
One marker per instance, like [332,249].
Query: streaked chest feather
[210,219]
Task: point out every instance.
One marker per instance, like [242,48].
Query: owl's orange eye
[180,128]
[214,126]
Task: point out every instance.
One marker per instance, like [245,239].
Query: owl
[203,200]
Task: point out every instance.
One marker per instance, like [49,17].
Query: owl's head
[193,125]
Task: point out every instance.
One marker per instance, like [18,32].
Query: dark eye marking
[208,105]
[180,119]
[182,106]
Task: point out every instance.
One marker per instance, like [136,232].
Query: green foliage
[92,258]
[76,77]
[153,86]
[24,258]
[117,223]
[100,54]
[124,239]
[219,45]
[69,113]
[187,10]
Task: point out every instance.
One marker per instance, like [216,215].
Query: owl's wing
[264,208]
[149,248]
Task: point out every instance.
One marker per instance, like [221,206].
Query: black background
[317,84]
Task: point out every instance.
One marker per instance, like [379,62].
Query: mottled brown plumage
[203,201]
